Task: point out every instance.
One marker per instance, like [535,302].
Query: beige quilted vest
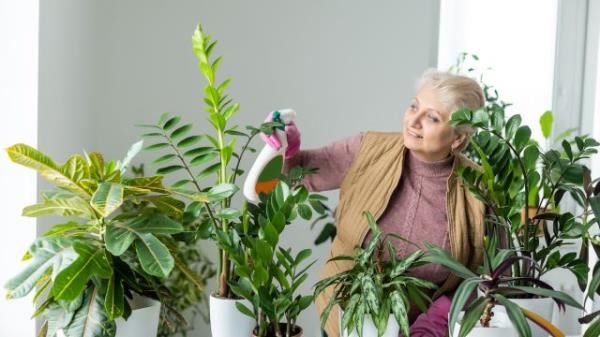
[368,185]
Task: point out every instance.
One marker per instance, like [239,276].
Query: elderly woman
[407,181]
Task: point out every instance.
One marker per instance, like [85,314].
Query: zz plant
[270,275]
[376,288]
[88,266]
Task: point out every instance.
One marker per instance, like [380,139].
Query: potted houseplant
[270,275]
[513,168]
[495,287]
[216,218]
[92,267]
[375,295]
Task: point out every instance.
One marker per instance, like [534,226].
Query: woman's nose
[415,120]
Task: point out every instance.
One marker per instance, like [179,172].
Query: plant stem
[487,315]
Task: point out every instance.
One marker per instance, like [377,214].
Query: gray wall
[344,66]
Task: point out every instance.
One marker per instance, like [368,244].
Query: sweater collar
[440,168]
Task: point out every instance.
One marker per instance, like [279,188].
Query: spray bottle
[268,166]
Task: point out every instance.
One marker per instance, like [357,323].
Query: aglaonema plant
[376,287]
[88,266]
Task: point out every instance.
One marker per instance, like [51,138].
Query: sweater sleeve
[332,161]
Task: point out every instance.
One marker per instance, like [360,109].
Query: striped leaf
[71,282]
[107,198]
[400,312]
[27,156]
[91,318]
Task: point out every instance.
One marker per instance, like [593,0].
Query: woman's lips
[414,134]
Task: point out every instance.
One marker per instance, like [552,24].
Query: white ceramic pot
[369,329]
[227,321]
[143,321]
[500,326]
[541,306]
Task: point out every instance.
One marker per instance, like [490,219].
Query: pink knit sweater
[415,211]
[417,207]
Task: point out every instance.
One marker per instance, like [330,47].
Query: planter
[500,326]
[282,327]
[143,322]
[369,329]
[541,306]
[226,320]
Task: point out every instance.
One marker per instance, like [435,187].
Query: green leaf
[209,171]
[157,224]
[530,157]
[546,123]
[107,198]
[400,312]
[222,191]
[181,131]
[370,293]
[48,252]
[171,123]
[114,301]
[131,153]
[522,137]
[169,169]
[512,125]
[462,294]
[71,282]
[515,314]
[156,146]
[203,158]
[164,159]
[228,213]
[167,204]
[593,330]
[29,157]
[91,318]
[198,151]
[153,255]
[118,238]
[244,309]
[472,316]
[69,206]
[188,141]
[551,293]
[438,255]
[304,211]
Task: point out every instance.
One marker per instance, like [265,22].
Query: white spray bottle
[264,173]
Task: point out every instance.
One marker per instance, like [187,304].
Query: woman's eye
[413,107]
[433,118]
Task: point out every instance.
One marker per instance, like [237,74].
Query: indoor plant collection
[126,238]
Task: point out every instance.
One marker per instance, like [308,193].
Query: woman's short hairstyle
[456,92]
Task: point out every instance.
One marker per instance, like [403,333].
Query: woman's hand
[292,135]
[433,323]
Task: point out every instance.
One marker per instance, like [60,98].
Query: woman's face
[427,133]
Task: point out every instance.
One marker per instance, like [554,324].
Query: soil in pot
[282,326]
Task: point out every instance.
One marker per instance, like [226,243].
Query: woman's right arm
[333,162]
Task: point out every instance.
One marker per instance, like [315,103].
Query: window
[515,38]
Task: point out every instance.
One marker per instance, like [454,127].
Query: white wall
[344,66]
[18,108]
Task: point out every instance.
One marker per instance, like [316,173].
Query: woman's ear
[458,141]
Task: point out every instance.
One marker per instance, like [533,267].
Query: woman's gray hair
[456,92]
